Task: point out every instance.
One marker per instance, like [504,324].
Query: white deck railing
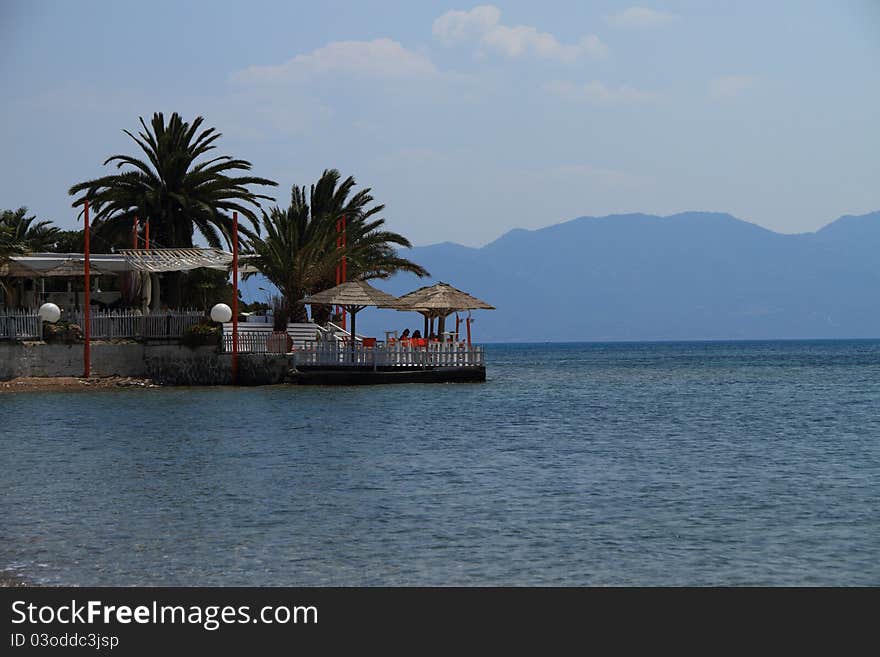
[254,337]
[334,354]
[256,342]
[334,349]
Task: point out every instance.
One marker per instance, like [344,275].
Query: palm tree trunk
[320,314]
[298,314]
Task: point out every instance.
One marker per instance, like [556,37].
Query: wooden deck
[353,376]
[331,360]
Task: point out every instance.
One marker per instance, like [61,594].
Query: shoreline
[72,383]
[9,581]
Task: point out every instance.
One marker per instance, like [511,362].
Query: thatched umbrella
[354,296]
[438,300]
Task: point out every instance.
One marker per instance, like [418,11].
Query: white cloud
[730,86]
[482,25]
[641,18]
[598,93]
[379,58]
[455,26]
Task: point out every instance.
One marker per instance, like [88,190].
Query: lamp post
[221,313]
[50,313]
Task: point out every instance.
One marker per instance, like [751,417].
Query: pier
[339,364]
[334,360]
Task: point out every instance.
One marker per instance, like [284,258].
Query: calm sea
[578,464]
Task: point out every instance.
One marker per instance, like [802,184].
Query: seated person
[404,337]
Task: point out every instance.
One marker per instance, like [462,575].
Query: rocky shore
[71,383]
[9,581]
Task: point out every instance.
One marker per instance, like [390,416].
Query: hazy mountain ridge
[693,275]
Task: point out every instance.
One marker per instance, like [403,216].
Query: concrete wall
[38,359]
[168,364]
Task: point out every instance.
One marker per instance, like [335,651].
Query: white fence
[334,354]
[313,345]
[26,325]
[134,324]
[255,337]
[20,325]
[257,342]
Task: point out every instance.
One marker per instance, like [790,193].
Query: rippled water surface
[579,464]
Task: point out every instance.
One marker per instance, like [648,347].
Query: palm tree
[173,189]
[371,252]
[298,252]
[9,246]
[178,195]
[33,235]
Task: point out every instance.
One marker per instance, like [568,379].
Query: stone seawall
[167,364]
[203,366]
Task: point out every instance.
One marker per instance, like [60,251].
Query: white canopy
[37,265]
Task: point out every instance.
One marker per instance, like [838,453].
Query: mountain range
[688,276]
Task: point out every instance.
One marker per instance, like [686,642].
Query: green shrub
[198,335]
[62,332]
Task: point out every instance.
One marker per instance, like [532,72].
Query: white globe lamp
[221,313]
[49,312]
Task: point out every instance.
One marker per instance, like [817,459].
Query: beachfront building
[131,307]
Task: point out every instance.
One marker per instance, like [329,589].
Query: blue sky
[466,120]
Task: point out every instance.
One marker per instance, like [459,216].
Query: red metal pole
[338,246]
[87,315]
[235,297]
[147,234]
[344,244]
[468,321]
[338,265]
[344,272]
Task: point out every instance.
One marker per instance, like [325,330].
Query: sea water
[739,463]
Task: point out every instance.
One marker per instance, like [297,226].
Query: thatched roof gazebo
[438,300]
[354,296]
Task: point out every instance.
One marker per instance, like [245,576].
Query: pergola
[38,265]
[143,261]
